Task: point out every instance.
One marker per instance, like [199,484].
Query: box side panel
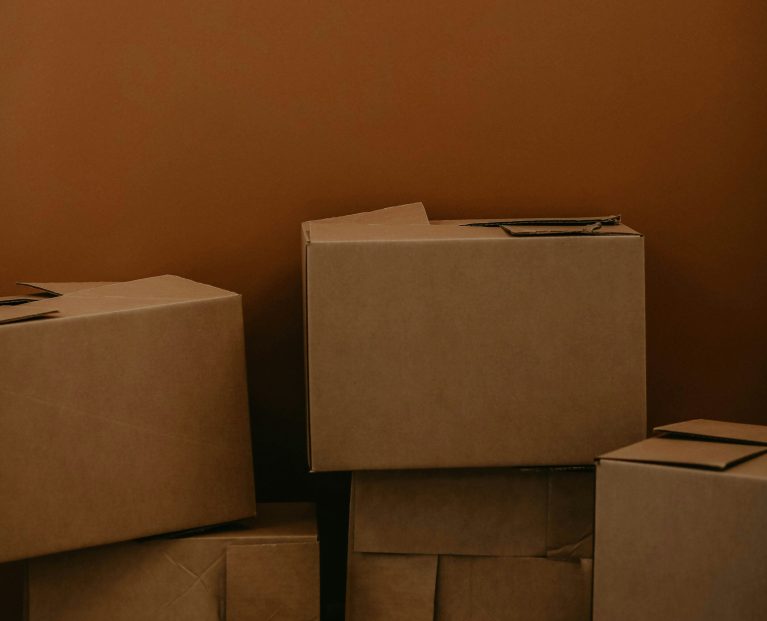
[137,424]
[678,544]
[391,587]
[495,512]
[513,589]
[273,581]
[179,579]
[476,352]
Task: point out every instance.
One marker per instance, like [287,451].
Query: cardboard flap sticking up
[681,452]
[703,429]
[167,287]
[73,299]
[412,213]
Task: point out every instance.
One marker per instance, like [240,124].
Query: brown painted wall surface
[139,138]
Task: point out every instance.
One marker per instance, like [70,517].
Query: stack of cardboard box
[680,525]
[125,416]
[468,373]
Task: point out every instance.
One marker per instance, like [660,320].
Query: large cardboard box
[123,413]
[259,570]
[681,526]
[439,344]
[496,544]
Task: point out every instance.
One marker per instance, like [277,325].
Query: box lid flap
[16,300]
[109,297]
[60,288]
[717,430]
[22,312]
[686,452]
[166,287]
[412,213]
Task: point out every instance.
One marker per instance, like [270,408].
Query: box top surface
[707,444]
[411,223]
[60,300]
[290,521]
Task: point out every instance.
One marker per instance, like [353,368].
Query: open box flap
[22,312]
[716,430]
[60,288]
[110,297]
[166,287]
[412,213]
[686,452]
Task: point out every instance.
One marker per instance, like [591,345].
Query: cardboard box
[446,545]
[123,413]
[260,570]
[680,526]
[438,344]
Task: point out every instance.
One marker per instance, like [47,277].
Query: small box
[258,570]
[471,343]
[446,545]
[123,413]
[680,526]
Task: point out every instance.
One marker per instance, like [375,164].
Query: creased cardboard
[124,414]
[440,345]
[264,569]
[465,544]
[677,538]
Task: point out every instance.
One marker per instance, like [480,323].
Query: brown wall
[143,137]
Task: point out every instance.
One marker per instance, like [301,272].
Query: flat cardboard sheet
[264,569]
[676,542]
[125,414]
[442,346]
